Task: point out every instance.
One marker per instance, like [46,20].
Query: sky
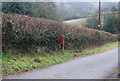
[79,0]
[60,0]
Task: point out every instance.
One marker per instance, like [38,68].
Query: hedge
[21,32]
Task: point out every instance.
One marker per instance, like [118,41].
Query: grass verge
[23,62]
[100,49]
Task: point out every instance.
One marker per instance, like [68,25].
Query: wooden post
[62,47]
[99,26]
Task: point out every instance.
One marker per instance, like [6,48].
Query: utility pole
[99,25]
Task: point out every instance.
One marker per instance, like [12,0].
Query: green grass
[81,21]
[100,49]
[16,63]
[23,62]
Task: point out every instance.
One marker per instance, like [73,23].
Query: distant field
[78,22]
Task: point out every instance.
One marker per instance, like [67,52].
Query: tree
[44,10]
[92,22]
[11,7]
[37,9]
[113,9]
[110,23]
[17,7]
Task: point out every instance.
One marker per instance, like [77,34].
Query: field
[77,22]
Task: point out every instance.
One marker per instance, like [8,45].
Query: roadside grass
[21,63]
[100,49]
[13,63]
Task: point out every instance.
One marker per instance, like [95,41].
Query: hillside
[75,10]
[76,22]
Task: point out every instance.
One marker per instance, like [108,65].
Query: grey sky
[59,0]
[79,0]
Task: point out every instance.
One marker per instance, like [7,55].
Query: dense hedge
[37,34]
[119,37]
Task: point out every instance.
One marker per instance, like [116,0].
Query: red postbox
[62,40]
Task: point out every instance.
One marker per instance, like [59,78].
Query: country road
[95,66]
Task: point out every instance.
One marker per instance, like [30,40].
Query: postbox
[62,40]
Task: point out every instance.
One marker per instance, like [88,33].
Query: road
[95,66]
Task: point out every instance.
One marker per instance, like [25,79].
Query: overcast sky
[79,0]
[59,0]
[87,0]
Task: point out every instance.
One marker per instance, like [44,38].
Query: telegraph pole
[99,25]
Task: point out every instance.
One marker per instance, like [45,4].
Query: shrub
[119,37]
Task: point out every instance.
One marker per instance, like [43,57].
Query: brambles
[32,34]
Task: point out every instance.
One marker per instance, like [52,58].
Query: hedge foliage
[119,37]
[37,34]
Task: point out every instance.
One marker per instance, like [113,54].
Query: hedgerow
[30,34]
[119,37]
